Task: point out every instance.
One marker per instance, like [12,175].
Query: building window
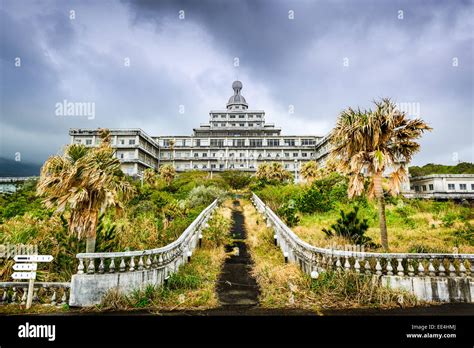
[217,142]
[424,187]
[472,186]
[239,142]
[295,154]
[307,142]
[273,142]
[417,188]
[256,142]
[196,155]
[431,187]
[122,141]
[232,116]
[121,155]
[287,154]
[242,124]
[250,124]
[462,186]
[450,186]
[131,142]
[204,154]
[88,142]
[241,116]
[213,166]
[198,142]
[250,116]
[304,154]
[290,142]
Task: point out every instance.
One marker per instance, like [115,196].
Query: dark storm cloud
[189,62]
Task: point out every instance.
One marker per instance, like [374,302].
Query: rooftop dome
[237,98]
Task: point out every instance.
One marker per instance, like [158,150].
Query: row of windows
[222,166]
[119,142]
[241,155]
[236,116]
[224,124]
[461,187]
[430,187]
[241,142]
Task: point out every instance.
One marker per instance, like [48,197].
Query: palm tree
[149,176]
[84,181]
[168,173]
[377,141]
[310,171]
[268,172]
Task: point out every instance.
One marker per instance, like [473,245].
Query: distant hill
[13,168]
[431,168]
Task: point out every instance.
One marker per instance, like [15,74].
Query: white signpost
[30,267]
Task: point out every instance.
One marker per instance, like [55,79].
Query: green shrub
[464,235]
[218,232]
[236,179]
[289,213]
[449,219]
[313,200]
[204,195]
[351,227]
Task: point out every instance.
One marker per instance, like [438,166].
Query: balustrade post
[112,265]
[431,268]
[378,267]
[368,269]
[421,269]
[411,270]
[91,266]
[80,268]
[400,270]
[441,269]
[101,265]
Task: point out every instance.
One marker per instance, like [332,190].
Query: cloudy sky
[141,62]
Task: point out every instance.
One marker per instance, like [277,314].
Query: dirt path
[237,288]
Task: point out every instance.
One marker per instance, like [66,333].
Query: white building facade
[442,186]
[236,138]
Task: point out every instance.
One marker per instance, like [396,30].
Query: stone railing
[125,271]
[313,260]
[174,253]
[47,293]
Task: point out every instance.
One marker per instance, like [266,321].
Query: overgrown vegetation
[414,224]
[431,168]
[284,285]
[193,286]
[351,227]
[156,215]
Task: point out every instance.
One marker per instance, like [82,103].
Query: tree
[377,141]
[272,173]
[167,173]
[84,181]
[310,171]
[149,176]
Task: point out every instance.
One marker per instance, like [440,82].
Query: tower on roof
[237,101]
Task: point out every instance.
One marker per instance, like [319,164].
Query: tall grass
[284,285]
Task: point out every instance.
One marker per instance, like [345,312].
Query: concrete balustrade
[126,271]
[47,293]
[432,277]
